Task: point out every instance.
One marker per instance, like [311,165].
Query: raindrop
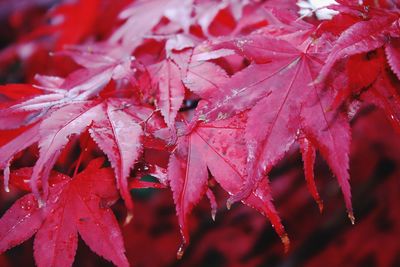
[55,200]
[27,205]
[351,217]
[181,251]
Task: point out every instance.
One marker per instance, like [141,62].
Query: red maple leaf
[75,205]
[220,148]
[366,35]
[282,81]
[113,124]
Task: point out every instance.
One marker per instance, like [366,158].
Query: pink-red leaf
[74,205]
[170,94]
[99,228]
[118,136]
[329,131]
[187,174]
[20,222]
[283,83]
[217,147]
[54,135]
[57,239]
[308,155]
[361,37]
[393,55]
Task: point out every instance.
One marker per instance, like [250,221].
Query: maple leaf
[54,135]
[184,67]
[18,91]
[69,22]
[11,118]
[118,134]
[218,147]
[393,55]
[24,140]
[370,79]
[131,32]
[101,64]
[113,124]
[284,101]
[208,12]
[362,37]
[199,75]
[385,94]
[74,206]
[170,92]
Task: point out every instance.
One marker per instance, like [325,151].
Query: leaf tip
[7,178]
[41,202]
[286,242]
[320,205]
[229,204]
[350,214]
[181,251]
[128,218]
[242,194]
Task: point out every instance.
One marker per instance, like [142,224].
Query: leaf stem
[78,163]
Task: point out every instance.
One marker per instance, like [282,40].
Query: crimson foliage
[193,93]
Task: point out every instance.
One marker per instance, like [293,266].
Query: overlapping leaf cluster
[224,89]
